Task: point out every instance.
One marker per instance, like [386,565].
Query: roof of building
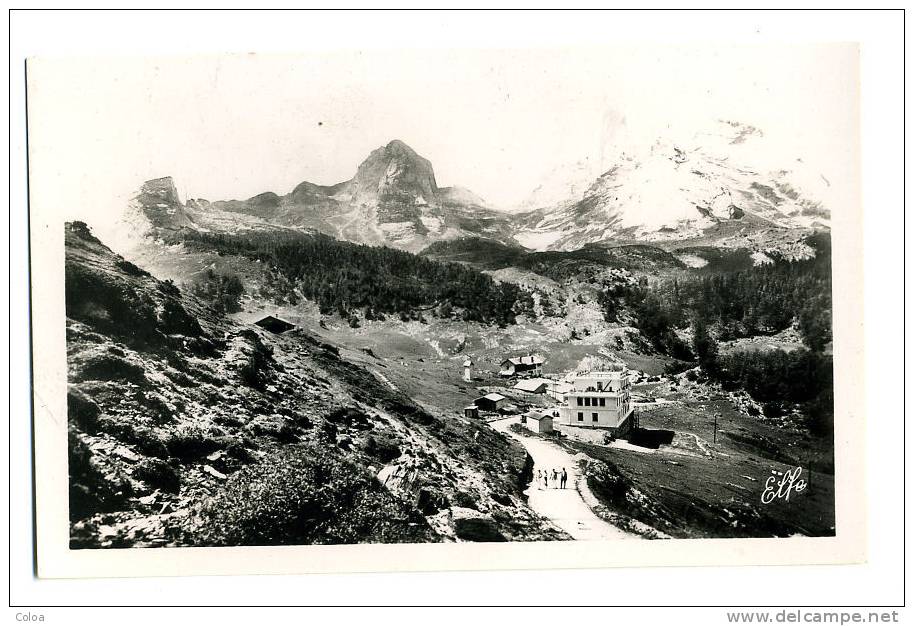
[494,397]
[536,415]
[468,362]
[530,359]
[274,322]
[472,406]
[604,373]
[531,384]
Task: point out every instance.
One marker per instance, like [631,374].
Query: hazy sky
[491,121]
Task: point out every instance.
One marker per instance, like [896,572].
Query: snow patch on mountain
[537,240]
[692,260]
[678,190]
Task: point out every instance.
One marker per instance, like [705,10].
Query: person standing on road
[564,478]
[546,479]
[555,476]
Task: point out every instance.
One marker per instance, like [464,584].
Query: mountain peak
[158,199]
[680,188]
[395,173]
[396,145]
[162,188]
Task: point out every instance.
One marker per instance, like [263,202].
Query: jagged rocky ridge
[392,199]
[671,195]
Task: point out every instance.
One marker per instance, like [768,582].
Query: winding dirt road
[564,507]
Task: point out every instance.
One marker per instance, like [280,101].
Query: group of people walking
[559,480]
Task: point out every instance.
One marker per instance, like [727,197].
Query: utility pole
[715,428]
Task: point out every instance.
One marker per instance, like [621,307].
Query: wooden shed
[490,402]
[539,422]
[274,324]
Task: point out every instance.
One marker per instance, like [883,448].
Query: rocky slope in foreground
[188,429]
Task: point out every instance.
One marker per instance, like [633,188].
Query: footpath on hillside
[564,507]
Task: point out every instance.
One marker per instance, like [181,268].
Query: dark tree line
[761,300]
[779,379]
[344,277]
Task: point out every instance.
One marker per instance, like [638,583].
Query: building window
[602,401]
[595,416]
[580,401]
[586,401]
[580,416]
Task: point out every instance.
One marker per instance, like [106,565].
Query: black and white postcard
[446,309]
